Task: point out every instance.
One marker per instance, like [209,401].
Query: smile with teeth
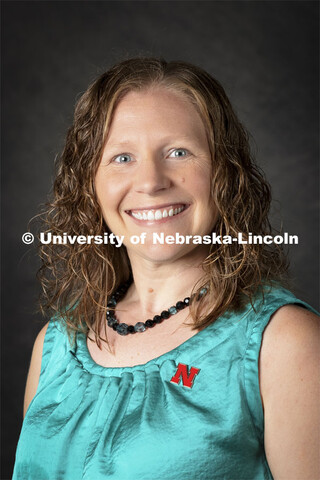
[158,214]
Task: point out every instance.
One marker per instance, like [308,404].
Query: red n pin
[187,378]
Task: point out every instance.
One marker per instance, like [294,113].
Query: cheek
[109,191]
[200,188]
[106,195]
[197,178]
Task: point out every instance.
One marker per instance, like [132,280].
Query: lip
[158,207]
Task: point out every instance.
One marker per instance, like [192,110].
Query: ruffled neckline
[81,352]
[204,339]
[200,342]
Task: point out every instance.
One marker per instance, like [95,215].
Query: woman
[154,366]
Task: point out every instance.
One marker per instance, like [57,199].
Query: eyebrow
[112,145]
[164,140]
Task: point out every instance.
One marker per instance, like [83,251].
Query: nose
[151,177]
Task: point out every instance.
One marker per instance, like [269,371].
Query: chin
[164,253]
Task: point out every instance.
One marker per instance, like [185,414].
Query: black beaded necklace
[124,329]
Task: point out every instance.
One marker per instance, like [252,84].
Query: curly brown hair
[77,280]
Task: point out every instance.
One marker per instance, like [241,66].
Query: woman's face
[154,176]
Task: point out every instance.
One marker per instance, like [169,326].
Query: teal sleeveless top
[194,413]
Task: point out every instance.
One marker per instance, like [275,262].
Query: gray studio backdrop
[263,52]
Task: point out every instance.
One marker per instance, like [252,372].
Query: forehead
[156,111]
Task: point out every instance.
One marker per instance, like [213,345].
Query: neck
[157,286]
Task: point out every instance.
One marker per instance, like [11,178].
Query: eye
[122,158]
[179,152]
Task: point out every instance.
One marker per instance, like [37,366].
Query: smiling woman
[163,183]
[166,360]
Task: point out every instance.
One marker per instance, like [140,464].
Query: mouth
[158,213]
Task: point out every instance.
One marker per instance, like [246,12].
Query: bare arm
[289,384]
[34,369]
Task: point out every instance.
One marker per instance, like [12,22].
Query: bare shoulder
[289,384]
[34,369]
[292,328]
[291,337]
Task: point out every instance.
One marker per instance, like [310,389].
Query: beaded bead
[157,319]
[131,329]
[112,321]
[186,300]
[173,310]
[122,329]
[112,302]
[150,323]
[165,314]
[140,327]
[180,305]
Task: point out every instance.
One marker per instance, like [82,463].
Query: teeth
[156,214]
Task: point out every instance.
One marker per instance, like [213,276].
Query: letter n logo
[187,378]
